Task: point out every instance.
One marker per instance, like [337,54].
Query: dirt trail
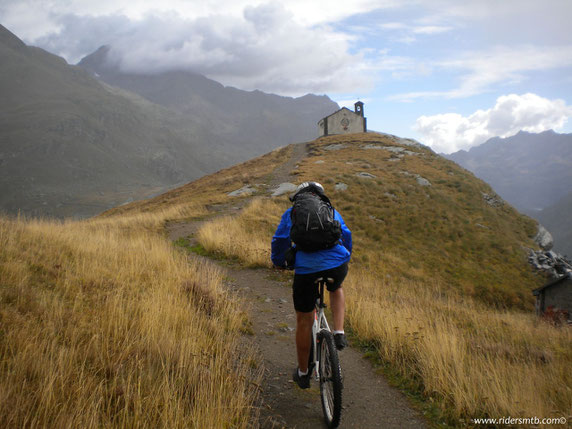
[368,400]
[282,173]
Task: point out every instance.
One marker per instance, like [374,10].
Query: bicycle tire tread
[327,339]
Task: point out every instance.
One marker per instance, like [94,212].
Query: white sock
[302,374]
[339,332]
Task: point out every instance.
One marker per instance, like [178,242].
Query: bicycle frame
[329,376]
[320,322]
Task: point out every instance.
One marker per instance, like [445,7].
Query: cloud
[481,71]
[450,132]
[431,29]
[26,24]
[408,34]
[506,22]
[304,12]
[263,48]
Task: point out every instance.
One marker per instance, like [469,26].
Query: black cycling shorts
[305,291]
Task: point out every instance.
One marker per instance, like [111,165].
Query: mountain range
[253,120]
[533,172]
[73,145]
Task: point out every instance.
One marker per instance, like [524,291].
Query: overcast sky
[448,73]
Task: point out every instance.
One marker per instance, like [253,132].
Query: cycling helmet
[307,187]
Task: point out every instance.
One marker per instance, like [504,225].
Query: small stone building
[555,298]
[344,121]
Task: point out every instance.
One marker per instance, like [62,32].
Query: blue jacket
[310,262]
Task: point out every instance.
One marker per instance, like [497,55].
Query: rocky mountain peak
[98,60]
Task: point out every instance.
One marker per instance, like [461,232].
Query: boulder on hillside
[543,238]
[283,188]
[340,186]
[365,175]
[245,190]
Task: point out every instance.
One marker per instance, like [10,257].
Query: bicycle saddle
[321,279]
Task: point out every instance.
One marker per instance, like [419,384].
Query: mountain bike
[324,362]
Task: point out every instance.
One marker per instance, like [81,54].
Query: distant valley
[533,172]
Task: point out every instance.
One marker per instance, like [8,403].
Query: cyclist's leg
[304,293]
[304,323]
[337,296]
[338,305]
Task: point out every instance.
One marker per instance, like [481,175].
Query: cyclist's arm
[281,241]
[346,233]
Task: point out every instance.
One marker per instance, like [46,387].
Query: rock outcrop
[545,259]
[244,191]
[550,262]
[543,238]
[492,199]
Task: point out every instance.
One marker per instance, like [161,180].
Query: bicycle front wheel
[330,379]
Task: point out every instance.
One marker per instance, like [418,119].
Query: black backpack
[313,224]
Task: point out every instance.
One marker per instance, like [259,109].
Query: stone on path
[245,190]
[283,188]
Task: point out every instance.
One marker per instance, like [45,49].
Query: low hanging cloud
[450,132]
[264,48]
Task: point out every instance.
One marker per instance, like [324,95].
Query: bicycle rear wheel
[330,379]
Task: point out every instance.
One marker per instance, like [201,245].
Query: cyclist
[308,266]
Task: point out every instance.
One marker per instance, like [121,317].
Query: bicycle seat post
[321,291]
[320,301]
[321,284]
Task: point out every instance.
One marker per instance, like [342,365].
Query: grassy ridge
[445,231]
[438,281]
[104,324]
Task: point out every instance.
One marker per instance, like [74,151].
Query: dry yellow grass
[478,362]
[425,262]
[245,236]
[472,360]
[104,324]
